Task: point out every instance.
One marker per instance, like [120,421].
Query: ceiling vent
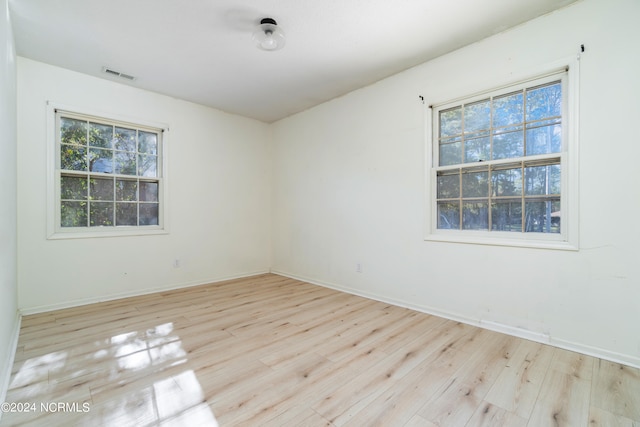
[115,73]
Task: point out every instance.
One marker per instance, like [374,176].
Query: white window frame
[54,173]
[568,238]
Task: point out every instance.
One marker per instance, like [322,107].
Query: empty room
[319,213]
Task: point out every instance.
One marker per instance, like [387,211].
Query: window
[108,176]
[500,165]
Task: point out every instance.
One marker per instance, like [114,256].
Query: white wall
[219,197]
[348,179]
[9,321]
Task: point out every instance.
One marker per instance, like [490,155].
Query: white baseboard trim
[514,331]
[376,297]
[9,358]
[491,325]
[139,292]
[611,356]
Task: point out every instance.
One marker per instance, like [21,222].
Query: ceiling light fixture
[268,36]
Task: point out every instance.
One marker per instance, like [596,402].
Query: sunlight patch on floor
[37,369]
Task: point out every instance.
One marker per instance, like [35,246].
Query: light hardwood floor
[273,351]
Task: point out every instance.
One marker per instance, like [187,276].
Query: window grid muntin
[89,199]
[523,127]
[524,198]
[114,177]
[525,87]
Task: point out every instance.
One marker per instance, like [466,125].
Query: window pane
[73,214]
[475,184]
[449,215]
[147,165]
[449,186]
[125,139]
[148,191]
[541,180]
[451,122]
[125,163]
[126,190]
[542,216]
[100,135]
[507,110]
[544,102]
[450,154]
[73,131]
[73,157]
[126,214]
[100,160]
[477,116]
[507,182]
[506,215]
[148,214]
[101,166]
[101,214]
[477,149]
[544,140]
[508,145]
[475,216]
[73,187]
[486,177]
[101,189]
[147,142]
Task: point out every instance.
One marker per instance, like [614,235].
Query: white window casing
[463,171]
[114,190]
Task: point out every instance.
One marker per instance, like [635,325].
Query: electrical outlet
[358,268]
[176,263]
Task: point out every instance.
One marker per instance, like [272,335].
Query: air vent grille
[115,73]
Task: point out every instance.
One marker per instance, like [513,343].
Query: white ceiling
[201,50]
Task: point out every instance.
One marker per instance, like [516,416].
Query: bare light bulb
[269,43]
[268,36]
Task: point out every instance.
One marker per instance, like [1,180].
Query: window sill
[102,232]
[522,240]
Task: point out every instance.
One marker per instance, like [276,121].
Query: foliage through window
[109,173]
[498,160]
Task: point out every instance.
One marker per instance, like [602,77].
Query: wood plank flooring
[273,351]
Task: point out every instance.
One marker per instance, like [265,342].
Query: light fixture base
[268,21]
